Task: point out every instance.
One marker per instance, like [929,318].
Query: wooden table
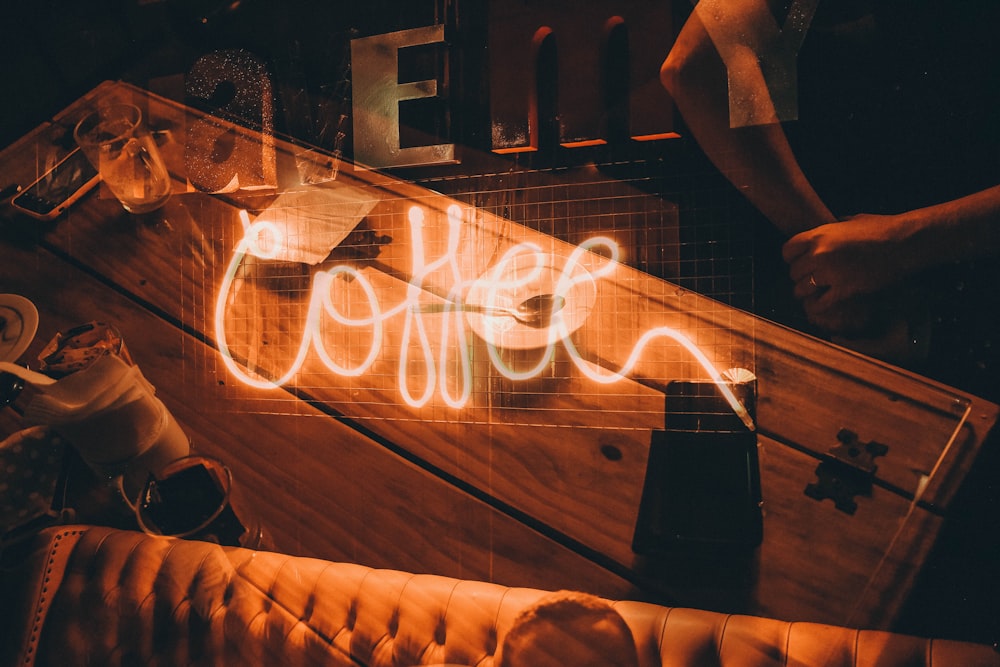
[352,453]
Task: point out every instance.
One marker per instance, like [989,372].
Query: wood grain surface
[533,482]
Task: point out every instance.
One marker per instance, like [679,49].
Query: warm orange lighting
[518,149]
[656,137]
[264,240]
[583,143]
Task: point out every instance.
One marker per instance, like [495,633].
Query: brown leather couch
[84,595]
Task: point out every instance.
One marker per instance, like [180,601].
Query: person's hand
[834,263]
[864,316]
[854,317]
[844,272]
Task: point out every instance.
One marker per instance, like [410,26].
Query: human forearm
[963,229]
[869,253]
[757,159]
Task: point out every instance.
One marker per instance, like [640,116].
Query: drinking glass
[193,497]
[126,156]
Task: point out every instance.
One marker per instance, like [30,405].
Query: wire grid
[677,237]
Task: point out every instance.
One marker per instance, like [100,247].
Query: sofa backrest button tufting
[440,634]
[394,624]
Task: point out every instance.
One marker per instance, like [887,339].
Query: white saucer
[18,324]
[525,276]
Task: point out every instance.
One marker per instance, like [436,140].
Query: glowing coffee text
[263,239]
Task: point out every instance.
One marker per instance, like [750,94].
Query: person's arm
[868,253]
[757,159]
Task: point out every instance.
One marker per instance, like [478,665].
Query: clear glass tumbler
[193,497]
[125,155]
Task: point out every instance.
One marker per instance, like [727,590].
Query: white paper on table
[312,222]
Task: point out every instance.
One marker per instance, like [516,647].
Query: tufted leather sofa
[84,595]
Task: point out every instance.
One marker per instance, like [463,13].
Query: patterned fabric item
[30,462]
[79,347]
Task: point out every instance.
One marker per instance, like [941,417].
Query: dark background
[57,50]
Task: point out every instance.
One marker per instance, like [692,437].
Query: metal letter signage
[582,32]
[219,156]
[760,56]
[377,94]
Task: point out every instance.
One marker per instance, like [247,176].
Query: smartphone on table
[702,488]
[58,188]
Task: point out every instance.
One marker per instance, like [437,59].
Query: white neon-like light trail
[263,239]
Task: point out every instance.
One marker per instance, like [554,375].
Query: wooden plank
[320,487]
[568,482]
[584,482]
[808,389]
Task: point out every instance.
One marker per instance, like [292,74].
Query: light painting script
[263,239]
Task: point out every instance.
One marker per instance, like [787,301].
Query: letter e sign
[377,94]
